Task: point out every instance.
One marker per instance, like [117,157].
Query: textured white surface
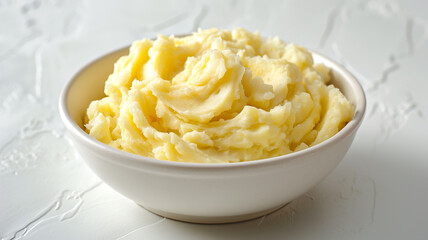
[379,191]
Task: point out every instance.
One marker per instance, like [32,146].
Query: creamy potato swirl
[217,96]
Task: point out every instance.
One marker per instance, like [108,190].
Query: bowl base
[212,220]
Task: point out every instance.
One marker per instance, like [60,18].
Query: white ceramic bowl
[205,193]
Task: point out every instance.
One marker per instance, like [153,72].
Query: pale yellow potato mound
[217,97]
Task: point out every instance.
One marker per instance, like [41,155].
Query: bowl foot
[212,220]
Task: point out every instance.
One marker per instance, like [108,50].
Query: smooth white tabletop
[379,190]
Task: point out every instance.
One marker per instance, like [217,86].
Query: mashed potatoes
[215,97]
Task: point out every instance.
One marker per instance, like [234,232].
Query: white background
[379,190]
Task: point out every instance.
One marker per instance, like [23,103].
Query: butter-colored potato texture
[217,96]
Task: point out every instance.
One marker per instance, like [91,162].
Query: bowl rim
[118,155]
